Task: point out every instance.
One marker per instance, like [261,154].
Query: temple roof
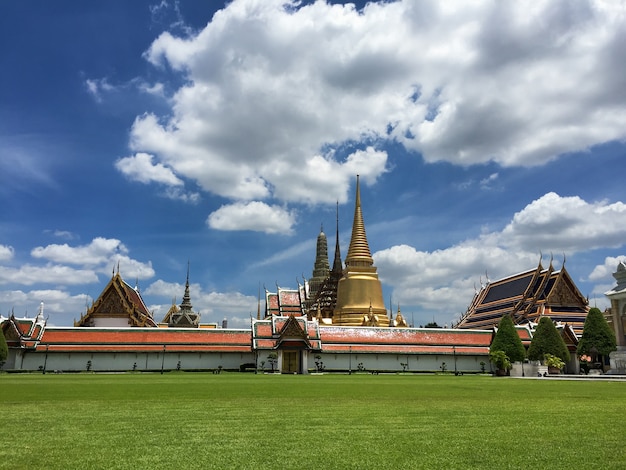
[271,333]
[144,339]
[284,302]
[525,297]
[118,300]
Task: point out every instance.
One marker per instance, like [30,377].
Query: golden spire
[359,292]
[359,251]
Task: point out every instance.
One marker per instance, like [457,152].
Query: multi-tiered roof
[527,296]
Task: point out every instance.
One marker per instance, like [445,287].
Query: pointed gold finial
[359,251]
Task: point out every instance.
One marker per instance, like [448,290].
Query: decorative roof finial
[186,304]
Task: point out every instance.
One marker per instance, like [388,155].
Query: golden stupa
[359,293]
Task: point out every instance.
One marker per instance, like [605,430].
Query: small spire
[186,304]
[40,312]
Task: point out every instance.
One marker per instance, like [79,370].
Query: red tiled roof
[24,325]
[136,299]
[403,349]
[399,336]
[142,339]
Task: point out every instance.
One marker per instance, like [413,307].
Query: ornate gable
[111,303]
[118,305]
[564,292]
[293,335]
[11,333]
[292,329]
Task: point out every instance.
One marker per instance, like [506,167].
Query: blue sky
[149,134]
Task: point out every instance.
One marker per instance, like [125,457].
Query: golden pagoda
[359,293]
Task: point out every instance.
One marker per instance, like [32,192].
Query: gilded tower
[359,293]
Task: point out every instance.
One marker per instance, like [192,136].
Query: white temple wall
[129,361]
[398,362]
[154,361]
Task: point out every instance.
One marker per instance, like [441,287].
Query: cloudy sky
[145,133]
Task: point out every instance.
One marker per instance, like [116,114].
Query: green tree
[4,350]
[597,338]
[507,340]
[547,340]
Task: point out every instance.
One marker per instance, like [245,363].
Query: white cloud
[555,223]
[273,90]
[60,307]
[139,167]
[102,255]
[487,183]
[551,222]
[49,274]
[97,86]
[99,251]
[255,216]
[6,252]
[604,272]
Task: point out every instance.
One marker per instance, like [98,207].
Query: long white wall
[398,362]
[129,361]
[126,361]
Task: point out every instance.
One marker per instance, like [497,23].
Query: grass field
[247,421]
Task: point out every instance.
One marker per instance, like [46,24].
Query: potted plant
[554,363]
[501,361]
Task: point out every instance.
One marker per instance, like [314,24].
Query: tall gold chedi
[359,293]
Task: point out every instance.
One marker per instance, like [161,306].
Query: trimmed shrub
[597,337]
[547,340]
[507,340]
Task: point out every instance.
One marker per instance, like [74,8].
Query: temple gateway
[336,321]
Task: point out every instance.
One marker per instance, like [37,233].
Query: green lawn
[247,421]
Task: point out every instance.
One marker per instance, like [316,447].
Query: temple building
[118,305]
[527,296]
[336,321]
[346,297]
[183,316]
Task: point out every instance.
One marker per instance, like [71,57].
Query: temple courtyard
[257,421]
